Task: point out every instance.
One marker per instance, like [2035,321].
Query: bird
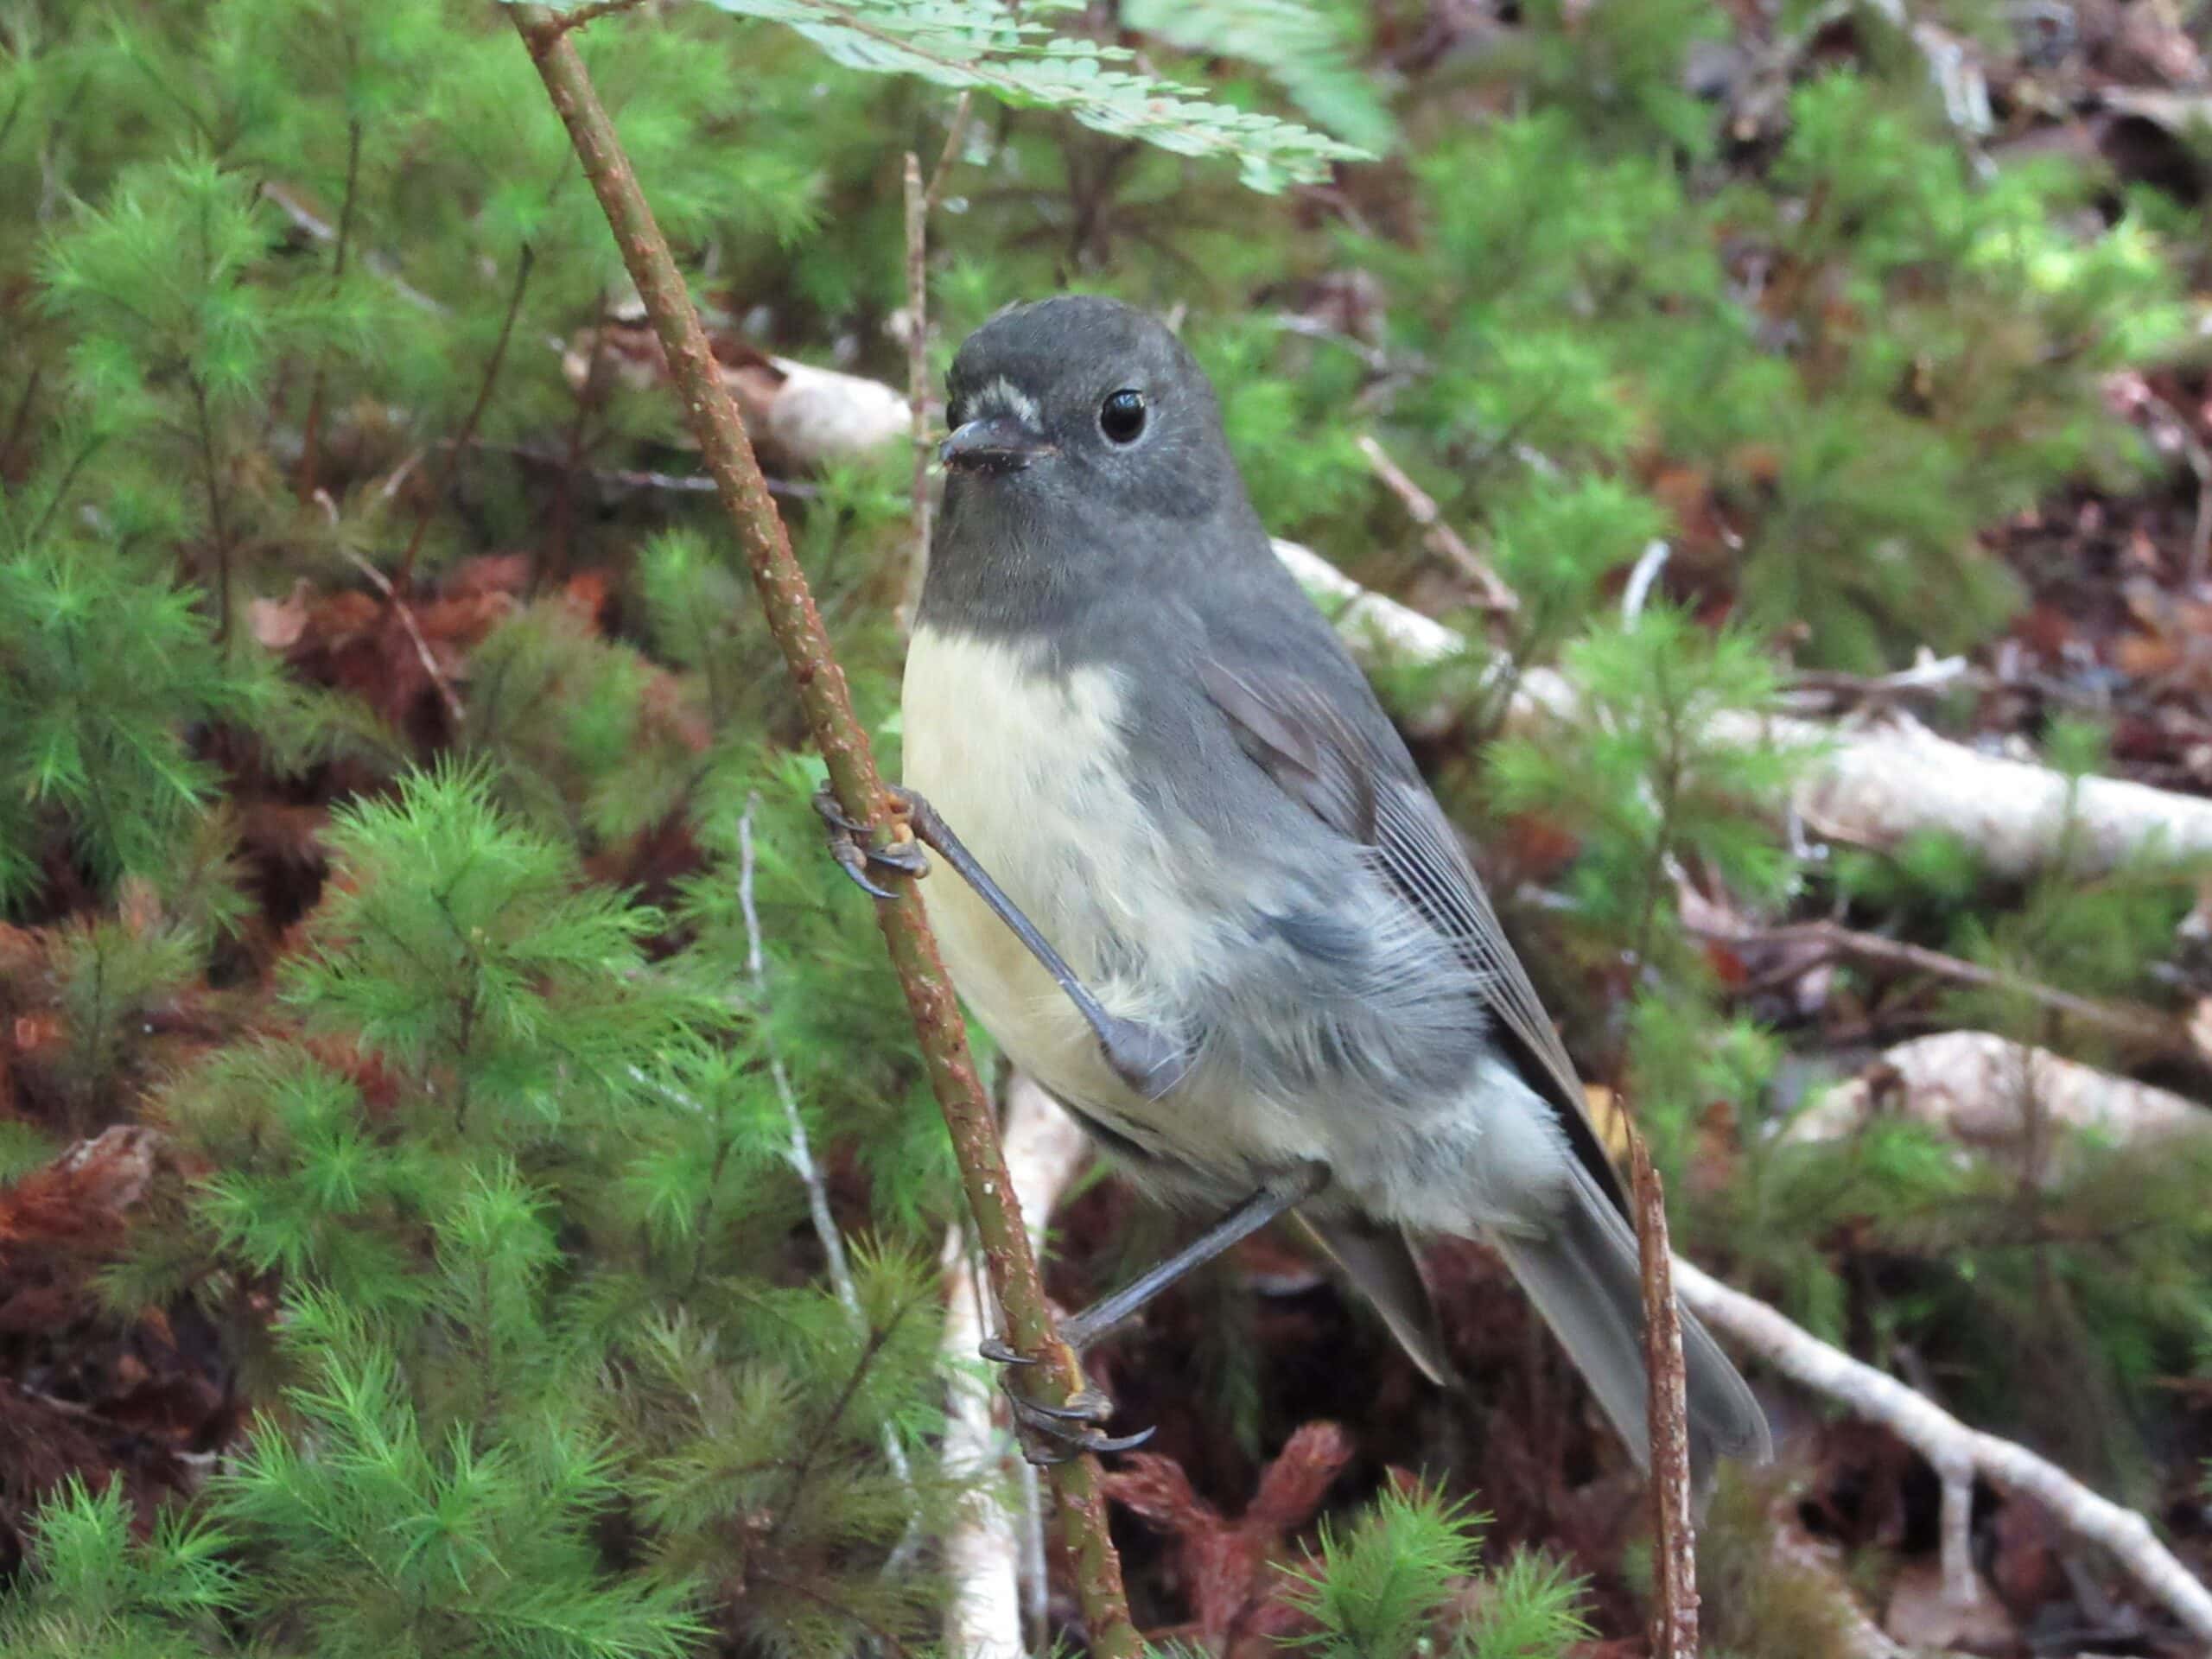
[1199,891]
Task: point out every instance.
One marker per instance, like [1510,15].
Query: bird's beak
[996,443]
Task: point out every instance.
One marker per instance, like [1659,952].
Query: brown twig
[1674,1548]
[2140,1026]
[918,375]
[311,442]
[797,625]
[1441,539]
[523,260]
[956,134]
[919,200]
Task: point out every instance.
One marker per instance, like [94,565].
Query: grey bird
[1206,898]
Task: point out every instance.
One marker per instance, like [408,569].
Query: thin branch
[1956,1451]
[321,230]
[820,682]
[1439,538]
[217,527]
[16,427]
[2140,1026]
[405,613]
[918,375]
[956,134]
[1674,1550]
[524,261]
[311,442]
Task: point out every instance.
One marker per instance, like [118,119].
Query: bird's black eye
[955,414]
[1120,417]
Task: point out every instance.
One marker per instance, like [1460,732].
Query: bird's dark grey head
[1086,452]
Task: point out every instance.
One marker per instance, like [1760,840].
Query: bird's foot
[852,845]
[1054,1434]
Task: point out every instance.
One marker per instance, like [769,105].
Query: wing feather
[1364,785]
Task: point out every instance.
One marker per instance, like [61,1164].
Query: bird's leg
[1149,1059]
[1054,1434]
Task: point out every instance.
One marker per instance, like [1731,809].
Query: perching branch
[827,704]
[1674,1542]
[1958,1453]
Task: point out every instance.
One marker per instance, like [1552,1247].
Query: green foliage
[502,1058]
[99,1592]
[1378,1590]
[1650,770]
[1008,53]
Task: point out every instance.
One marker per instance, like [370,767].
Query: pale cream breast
[1020,764]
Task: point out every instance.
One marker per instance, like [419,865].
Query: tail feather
[1582,1274]
[1376,1258]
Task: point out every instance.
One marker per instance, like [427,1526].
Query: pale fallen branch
[984,1551]
[1878,785]
[1997,1097]
[1957,1453]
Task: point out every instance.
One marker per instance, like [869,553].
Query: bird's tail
[1582,1274]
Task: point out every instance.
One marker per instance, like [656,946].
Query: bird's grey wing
[1362,784]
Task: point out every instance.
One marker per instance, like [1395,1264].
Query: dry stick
[837,732]
[917,377]
[2155,1031]
[1958,1452]
[1674,1549]
[919,201]
[311,442]
[1441,539]
[522,262]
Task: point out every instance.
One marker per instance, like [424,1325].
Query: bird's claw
[1053,1434]
[852,844]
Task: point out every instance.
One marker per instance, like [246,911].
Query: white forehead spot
[1001,397]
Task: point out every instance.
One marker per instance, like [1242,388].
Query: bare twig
[1674,1548]
[1439,538]
[791,616]
[311,441]
[405,613]
[322,230]
[917,377]
[2143,1027]
[523,260]
[1958,1453]
[919,201]
[956,134]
